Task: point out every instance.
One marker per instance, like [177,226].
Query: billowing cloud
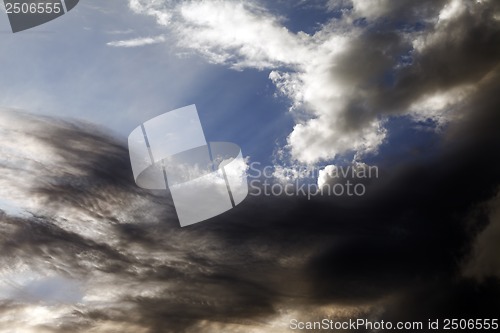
[346,79]
[136,42]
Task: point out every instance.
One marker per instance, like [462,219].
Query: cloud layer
[366,64]
[84,249]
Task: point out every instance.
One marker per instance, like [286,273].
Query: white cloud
[322,139]
[440,106]
[240,33]
[357,170]
[371,8]
[156,8]
[452,10]
[137,41]
[245,35]
[327,75]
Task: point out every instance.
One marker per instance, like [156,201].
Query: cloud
[136,42]
[356,71]
[81,219]
[484,262]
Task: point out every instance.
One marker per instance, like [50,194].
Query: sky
[410,88]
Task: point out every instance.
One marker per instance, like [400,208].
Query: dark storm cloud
[194,275]
[483,261]
[416,220]
[395,65]
[461,52]
[407,237]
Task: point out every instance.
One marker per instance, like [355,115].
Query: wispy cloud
[122,263]
[120,32]
[136,42]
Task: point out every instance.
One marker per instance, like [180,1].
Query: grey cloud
[460,52]
[483,262]
[139,271]
[403,11]
[463,52]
